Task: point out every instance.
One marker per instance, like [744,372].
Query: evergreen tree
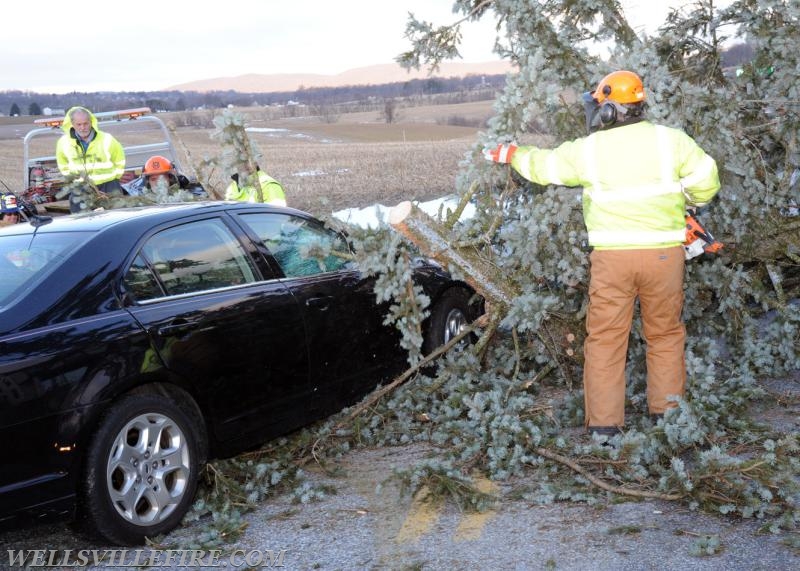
[34,109]
[511,404]
[478,407]
[155,104]
[14,111]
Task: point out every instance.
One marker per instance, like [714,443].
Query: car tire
[449,316]
[142,468]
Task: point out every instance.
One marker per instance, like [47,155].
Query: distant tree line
[432,90]
[460,89]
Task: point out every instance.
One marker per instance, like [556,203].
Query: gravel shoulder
[362,527]
[370,524]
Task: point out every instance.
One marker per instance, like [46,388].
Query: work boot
[609,431]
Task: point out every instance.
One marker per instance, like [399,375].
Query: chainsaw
[698,239]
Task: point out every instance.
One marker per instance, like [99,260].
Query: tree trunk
[431,238]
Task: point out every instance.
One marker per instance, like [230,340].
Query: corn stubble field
[355,161]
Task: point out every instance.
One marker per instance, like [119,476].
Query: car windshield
[24,259]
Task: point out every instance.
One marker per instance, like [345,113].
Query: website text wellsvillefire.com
[145,558]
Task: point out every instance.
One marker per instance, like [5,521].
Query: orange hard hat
[157,165]
[620,87]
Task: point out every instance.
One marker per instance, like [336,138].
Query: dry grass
[11,165]
[354,162]
[321,177]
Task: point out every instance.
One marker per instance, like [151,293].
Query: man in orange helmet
[637,179]
[159,175]
[158,170]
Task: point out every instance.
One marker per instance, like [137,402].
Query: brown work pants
[617,278]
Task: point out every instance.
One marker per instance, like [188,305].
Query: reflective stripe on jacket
[104,159]
[636,181]
[271,190]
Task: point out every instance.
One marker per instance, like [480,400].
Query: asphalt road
[367,526]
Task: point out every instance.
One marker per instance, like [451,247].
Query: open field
[353,162]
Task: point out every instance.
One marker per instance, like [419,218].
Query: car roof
[96,221]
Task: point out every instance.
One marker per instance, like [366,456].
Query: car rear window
[25,259]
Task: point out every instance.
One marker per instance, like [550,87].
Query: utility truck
[141,133]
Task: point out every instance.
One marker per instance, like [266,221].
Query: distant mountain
[371,75]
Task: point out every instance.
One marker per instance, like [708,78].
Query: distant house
[47,111]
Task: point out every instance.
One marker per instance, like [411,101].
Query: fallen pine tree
[510,405]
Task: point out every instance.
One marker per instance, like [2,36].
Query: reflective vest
[636,182]
[271,190]
[103,160]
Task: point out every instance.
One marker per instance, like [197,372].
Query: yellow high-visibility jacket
[636,179]
[103,160]
[271,190]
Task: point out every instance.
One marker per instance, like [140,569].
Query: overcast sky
[58,47]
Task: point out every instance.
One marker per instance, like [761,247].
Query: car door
[234,335]
[350,348]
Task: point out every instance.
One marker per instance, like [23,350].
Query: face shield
[590,110]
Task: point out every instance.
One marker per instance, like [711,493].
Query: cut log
[431,237]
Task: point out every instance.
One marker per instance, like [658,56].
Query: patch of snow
[265,130]
[377,214]
[280,132]
[309,173]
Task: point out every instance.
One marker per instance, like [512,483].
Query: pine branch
[455,216]
[621,490]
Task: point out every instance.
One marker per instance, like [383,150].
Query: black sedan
[137,343]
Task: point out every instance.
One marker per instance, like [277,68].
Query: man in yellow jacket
[637,180]
[271,190]
[85,153]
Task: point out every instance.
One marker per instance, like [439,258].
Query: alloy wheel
[148,469]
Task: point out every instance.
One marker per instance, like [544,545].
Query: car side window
[301,247]
[140,281]
[192,257]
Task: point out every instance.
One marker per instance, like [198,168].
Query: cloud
[151,45]
[148,45]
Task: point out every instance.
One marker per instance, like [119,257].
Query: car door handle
[321,302]
[177,327]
